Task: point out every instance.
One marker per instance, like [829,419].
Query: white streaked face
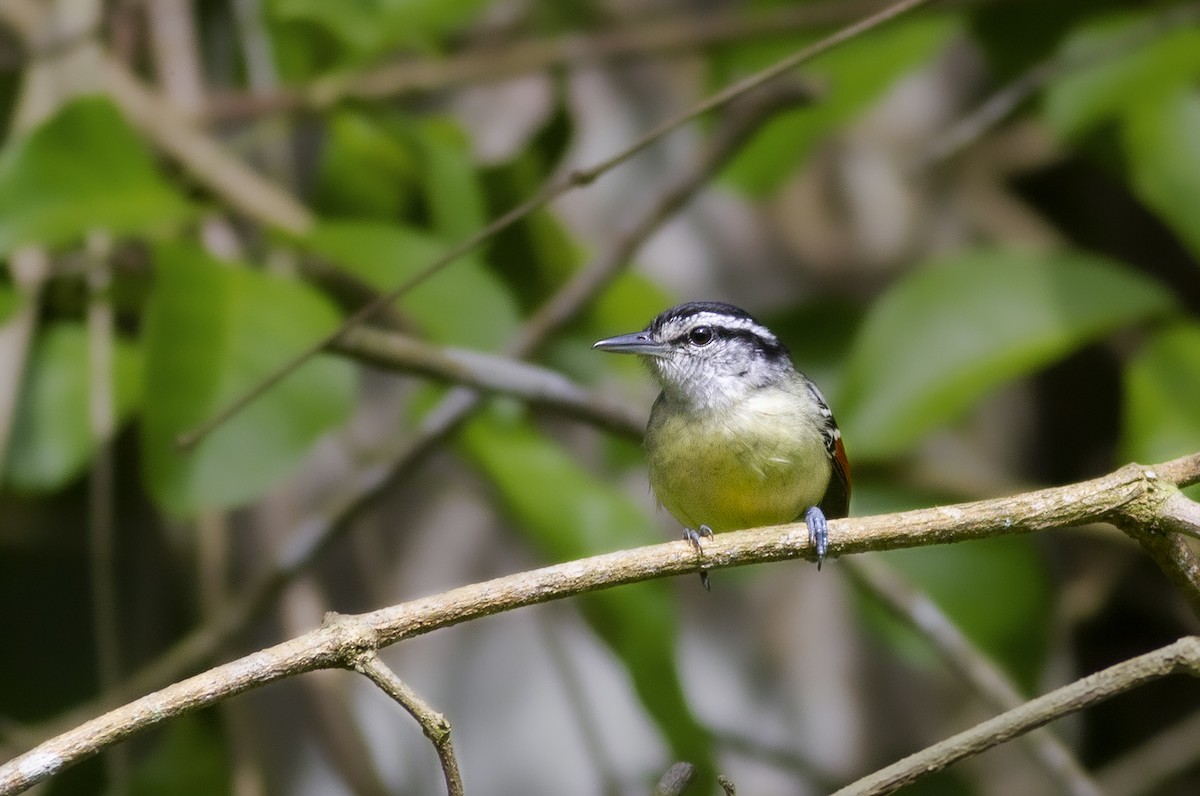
[711,354]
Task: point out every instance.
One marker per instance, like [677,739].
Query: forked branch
[1133,497]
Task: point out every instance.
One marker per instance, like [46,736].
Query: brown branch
[488,63]
[490,373]
[433,724]
[343,640]
[897,595]
[653,37]
[1157,530]
[1182,657]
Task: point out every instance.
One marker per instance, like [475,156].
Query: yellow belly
[756,465]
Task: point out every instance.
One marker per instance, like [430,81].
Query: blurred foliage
[213,331]
[52,440]
[913,354]
[82,169]
[991,316]
[853,75]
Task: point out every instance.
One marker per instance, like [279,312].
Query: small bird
[738,437]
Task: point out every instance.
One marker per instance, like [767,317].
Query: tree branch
[1132,491]
[987,679]
[536,385]
[435,726]
[1182,657]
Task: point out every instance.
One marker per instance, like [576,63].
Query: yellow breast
[756,463]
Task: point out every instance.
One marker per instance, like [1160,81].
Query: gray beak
[633,343]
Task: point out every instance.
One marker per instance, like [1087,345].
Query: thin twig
[997,107]
[491,373]
[102,424]
[893,591]
[658,37]
[551,190]
[435,726]
[1182,657]
[343,640]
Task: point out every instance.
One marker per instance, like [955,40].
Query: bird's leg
[818,532]
[694,536]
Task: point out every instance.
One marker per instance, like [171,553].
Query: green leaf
[1162,397]
[189,758]
[537,254]
[565,514]
[946,334]
[213,331]
[453,190]
[1162,144]
[52,439]
[856,73]
[363,170]
[464,303]
[1120,79]
[82,169]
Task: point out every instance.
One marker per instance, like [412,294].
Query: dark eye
[701,335]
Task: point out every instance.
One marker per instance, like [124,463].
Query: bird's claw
[694,535]
[818,532]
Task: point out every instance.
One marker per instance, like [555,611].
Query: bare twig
[657,37]
[435,726]
[989,681]
[343,640]
[1012,95]
[102,422]
[536,385]
[1182,657]
[551,190]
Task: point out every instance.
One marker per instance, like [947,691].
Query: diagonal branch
[904,600]
[433,724]
[533,384]
[1182,657]
[1132,491]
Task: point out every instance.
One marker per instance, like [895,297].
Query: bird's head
[707,353]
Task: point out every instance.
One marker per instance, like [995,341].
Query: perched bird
[738,438]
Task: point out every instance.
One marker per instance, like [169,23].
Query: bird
[738,437]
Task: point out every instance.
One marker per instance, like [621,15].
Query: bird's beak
[632,343]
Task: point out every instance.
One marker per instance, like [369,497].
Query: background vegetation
[978,227]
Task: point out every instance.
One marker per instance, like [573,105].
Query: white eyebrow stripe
[726,322]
